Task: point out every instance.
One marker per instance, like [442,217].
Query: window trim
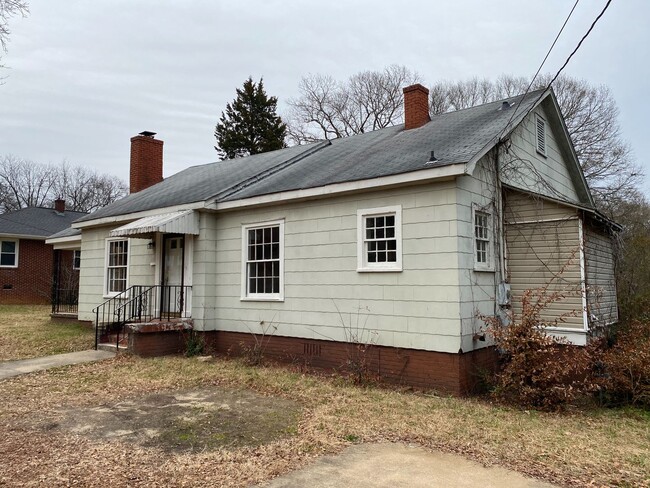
[110,294]
[489,264]
[16,251]
[260,297]
[74,259]
[538,119]
[362,265]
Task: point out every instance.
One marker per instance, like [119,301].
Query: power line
[542,65]
[566,62]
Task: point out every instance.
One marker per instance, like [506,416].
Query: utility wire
[591,27]
[541,65]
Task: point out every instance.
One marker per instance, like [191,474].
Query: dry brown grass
[601,447]
[26,332]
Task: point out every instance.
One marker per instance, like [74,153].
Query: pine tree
[250,124]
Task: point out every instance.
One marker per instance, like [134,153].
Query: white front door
[173,293]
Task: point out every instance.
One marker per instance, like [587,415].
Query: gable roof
[455,137]
[36,222]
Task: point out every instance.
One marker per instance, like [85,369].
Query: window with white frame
[379,236]
[76,259]
[482,239]
[540,134]
[263,261]
[117,262]
[8,254]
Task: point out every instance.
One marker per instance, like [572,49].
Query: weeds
[253,353]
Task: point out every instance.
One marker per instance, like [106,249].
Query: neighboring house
[27,263]
[403,237]
[65,286]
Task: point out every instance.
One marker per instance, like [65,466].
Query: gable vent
[540,126]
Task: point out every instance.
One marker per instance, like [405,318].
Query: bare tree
[328,109]
[24,183]
[85,190]
[8,9]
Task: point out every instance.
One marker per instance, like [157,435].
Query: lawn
[595,447]
[26,332]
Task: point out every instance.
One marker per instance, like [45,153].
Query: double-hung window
[482,240]
[117,262]
[8,254]
[263,261]
[76,259]
[379,236]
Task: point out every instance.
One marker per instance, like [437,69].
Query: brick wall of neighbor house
[456,374]
[31,281]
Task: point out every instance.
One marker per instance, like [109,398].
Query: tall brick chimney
[416,106]
[146,161]
[59,205]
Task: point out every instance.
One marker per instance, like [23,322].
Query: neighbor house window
[263,261]
[379,236]
[76,259]
[117,261]
[8,254]
[482,239]
[540,134]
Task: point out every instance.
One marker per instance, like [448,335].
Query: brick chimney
[59,205]
[146,161]
[416,106]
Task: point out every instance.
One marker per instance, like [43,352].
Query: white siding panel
[418,307]
[523,167]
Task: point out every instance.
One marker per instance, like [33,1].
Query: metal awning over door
[182,222]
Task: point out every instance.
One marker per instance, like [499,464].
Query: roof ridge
[268,172]
[522,95]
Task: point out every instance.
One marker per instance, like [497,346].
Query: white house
[404,236]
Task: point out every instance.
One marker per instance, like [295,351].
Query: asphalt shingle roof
[36,221]
[455,137]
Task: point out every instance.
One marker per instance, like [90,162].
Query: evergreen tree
[250,124]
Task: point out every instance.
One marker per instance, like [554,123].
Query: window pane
[370,233]
[8,247]
[380,233]
[390,232]
[381,257]
[392,256]
[392,245]
[379,221]
[370,222]
[372,257]
[390,221]
[276,234]
[275,254]
[7,260]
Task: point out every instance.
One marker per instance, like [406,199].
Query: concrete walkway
[397,466]
[9,369]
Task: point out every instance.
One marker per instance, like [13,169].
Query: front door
[173,264]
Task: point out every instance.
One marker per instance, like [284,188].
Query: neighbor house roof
[36,222]
[454,137]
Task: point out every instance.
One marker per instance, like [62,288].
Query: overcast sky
[87,75]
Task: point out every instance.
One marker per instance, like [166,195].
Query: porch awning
[182,222]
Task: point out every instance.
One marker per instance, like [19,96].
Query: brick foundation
[157,338]
[457,374]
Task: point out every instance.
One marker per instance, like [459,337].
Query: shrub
[627,365]
[536,369]
[194,343]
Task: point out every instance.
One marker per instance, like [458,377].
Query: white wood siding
[600,277]
[416,308]
[477,288]
[543,247]
[523,167]
[92,274]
